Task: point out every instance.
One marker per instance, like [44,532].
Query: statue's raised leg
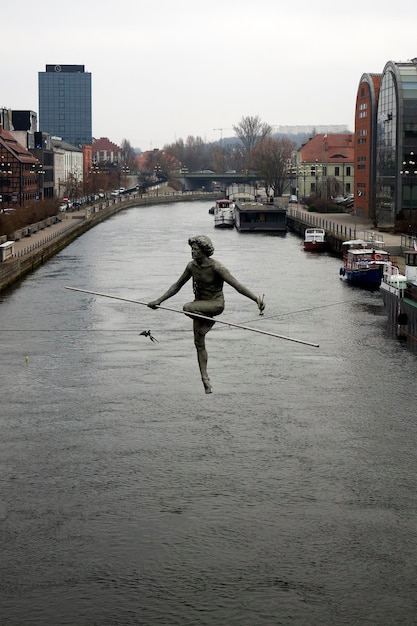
[200,330]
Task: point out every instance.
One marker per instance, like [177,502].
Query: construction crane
[221,144]
[221,132]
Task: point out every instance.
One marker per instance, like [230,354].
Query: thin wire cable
[133,330]
[314,308]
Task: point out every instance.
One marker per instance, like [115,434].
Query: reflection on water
[130,497]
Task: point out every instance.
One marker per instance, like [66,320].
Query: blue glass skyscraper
[65,103]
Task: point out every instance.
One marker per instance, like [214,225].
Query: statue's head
[204,243]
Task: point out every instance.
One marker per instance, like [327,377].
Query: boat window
[411,259]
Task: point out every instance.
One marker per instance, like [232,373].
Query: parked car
[293,200]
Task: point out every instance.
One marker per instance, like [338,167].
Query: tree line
[253,149]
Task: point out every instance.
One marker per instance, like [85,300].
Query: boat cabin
[358,253]
[314,234]
[223,204]
[259,217]
[411,266]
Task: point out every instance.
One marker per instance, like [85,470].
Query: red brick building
[19,182]
[106,152]
[365,145]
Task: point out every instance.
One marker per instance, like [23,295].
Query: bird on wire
[147,333]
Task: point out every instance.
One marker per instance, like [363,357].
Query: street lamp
[184,172]
[40,173]
[94,171]
[125,172]
[408,172]
[316,172]
[302,173]
[157,174]
[292,174]
[5,180]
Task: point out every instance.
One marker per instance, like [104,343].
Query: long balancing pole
[198,315]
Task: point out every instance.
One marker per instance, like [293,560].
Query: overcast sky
[166,69]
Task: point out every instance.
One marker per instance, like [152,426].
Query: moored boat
[364,262]
[259,217]
[224,214]
[399,294]
[314,239]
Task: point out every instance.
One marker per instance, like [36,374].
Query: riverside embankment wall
[334,240]
[37,253]
[32,255]
[339,229]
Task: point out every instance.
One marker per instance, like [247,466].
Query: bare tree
[159,164]
[128,155]
[251,131]
[270,159]
[73,187]
[178,151]
[194,154]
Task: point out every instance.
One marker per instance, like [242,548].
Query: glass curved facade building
[395,184]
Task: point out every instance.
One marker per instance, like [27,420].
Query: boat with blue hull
[364,262]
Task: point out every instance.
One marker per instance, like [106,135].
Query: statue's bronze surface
[208,278]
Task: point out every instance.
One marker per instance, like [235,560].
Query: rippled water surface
[128,496]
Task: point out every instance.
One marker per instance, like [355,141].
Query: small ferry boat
[399,294]
[224,214]
[259,217]
[364,262]
[314,239]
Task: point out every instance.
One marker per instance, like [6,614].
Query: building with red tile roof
[105,151]
[325,165]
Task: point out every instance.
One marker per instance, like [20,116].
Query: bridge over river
[213,181]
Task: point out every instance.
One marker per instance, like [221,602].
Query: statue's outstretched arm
[233,282]
[185,276]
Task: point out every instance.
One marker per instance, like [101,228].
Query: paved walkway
[36,240]
[71,219]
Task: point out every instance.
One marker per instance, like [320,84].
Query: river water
[129,496]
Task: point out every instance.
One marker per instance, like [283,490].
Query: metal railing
[331,226]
